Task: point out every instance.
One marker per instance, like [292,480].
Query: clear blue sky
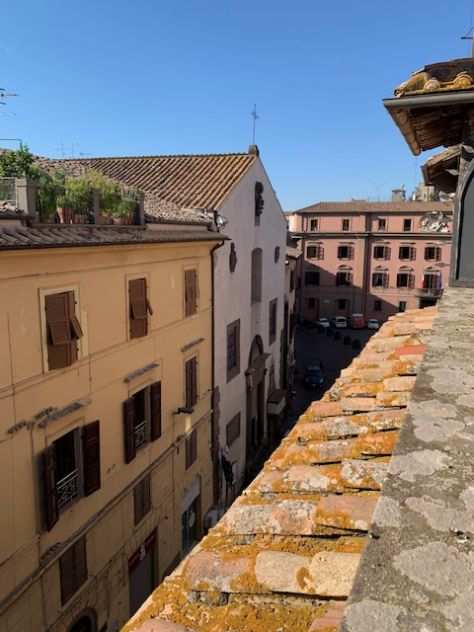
[152,77]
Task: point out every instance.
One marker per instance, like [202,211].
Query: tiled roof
[190,181]
[448,76]
[70,235]
[364,206]
[285,555]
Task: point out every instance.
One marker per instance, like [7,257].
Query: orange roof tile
[285,555]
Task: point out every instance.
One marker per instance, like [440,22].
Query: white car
[340,322]
[323,322]
[373,323]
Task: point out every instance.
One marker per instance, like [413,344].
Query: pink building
[374,258]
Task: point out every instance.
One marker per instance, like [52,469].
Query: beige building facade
[105,411]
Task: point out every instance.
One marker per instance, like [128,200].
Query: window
[73,569]
[407,252]
[272,321]
[381,252]
[142,419]
[380,279]
[190,382]
[71,469]
[191,448]
[345,252]
[346,224]
[256,281]
[311,303]
[63,329]
[311,278]
[342,303]
[432,253]
[190,292]
[276,255]
[344,278]
[139,307]
[377,305]
[315,252]
[232,257]
[402,305]
[381,224]
[405,280]
[407,225]
[232,430]
[259,202]
[432,281]
[233,350]
[314,225]
[142,499]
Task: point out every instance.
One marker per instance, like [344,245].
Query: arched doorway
[255,427]
[85,623]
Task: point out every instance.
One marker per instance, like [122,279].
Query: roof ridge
[141,156]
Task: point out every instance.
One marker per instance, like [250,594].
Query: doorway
[141,573]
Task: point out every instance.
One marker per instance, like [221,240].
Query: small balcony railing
[140,431]
[67,489]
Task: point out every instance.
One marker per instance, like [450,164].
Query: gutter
[428,100]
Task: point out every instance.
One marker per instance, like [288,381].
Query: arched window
[87,622]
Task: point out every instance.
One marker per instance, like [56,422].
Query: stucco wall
[100,276]
[232,299]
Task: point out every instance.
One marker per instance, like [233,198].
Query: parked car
[339,322]
[323,322]
[357,321]
[313,376]
[373,323]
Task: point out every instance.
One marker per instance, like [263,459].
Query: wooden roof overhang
[434,120]
[442,170]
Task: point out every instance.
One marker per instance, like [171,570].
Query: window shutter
[411,281]
[73,569]
[385,280]
[387,253]
[137,291]
[142,499]
[438,254]
[188,453]
[194,388]
[61,325]
[190,292]
[350,252]
[194,445]
[155,410]
[51,514]
[91,457]
[413,254]
[129,434]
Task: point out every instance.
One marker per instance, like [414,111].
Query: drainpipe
[214,428]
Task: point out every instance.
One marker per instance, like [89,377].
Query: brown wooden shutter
[385,280]
[191,382]
[194,384]
[256,281]
[194,445]
[73,569]
[91,457]
[139,307]
[413,254]
[142,499]
[50,503]
[61,331]
[190,292]
[411,281]
[128,429]
[155,411]
[438,254]
[387,253]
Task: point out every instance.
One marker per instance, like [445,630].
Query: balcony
[429,292]
[67,489]
[140,432]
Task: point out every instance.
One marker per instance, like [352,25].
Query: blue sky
[153,77]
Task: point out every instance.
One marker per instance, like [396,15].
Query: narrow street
[334,355]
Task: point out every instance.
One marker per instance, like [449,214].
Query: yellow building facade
[105,417]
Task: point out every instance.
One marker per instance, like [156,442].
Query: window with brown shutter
[190,292]
[139,307]
[233,350]
[191,448]
[63,329]
[73,569]
[142,418]
[272,318]
[233,430]
[256,272]
[191,390]
[142,499]
[155,411]
[91,457]
[50,502]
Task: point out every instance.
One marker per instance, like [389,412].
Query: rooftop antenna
[4,95]
[470,34]
[255,116]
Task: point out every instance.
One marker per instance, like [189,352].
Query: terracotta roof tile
[364,206]
[284,557]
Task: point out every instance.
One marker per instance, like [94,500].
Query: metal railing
[140,431]
[67,489]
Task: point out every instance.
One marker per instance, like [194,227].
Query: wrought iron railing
[67,489]
[140,431]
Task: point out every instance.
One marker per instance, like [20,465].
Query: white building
[249,287]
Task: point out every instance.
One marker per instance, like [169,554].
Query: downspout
[214,426]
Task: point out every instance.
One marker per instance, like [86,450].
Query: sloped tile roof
[363,206]
[285,555]
[192,181]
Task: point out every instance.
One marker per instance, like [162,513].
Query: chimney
[26,197]
[399,195]
[253,150]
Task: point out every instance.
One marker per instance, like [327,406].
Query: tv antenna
[470,34]
[4,95]
[255,116]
